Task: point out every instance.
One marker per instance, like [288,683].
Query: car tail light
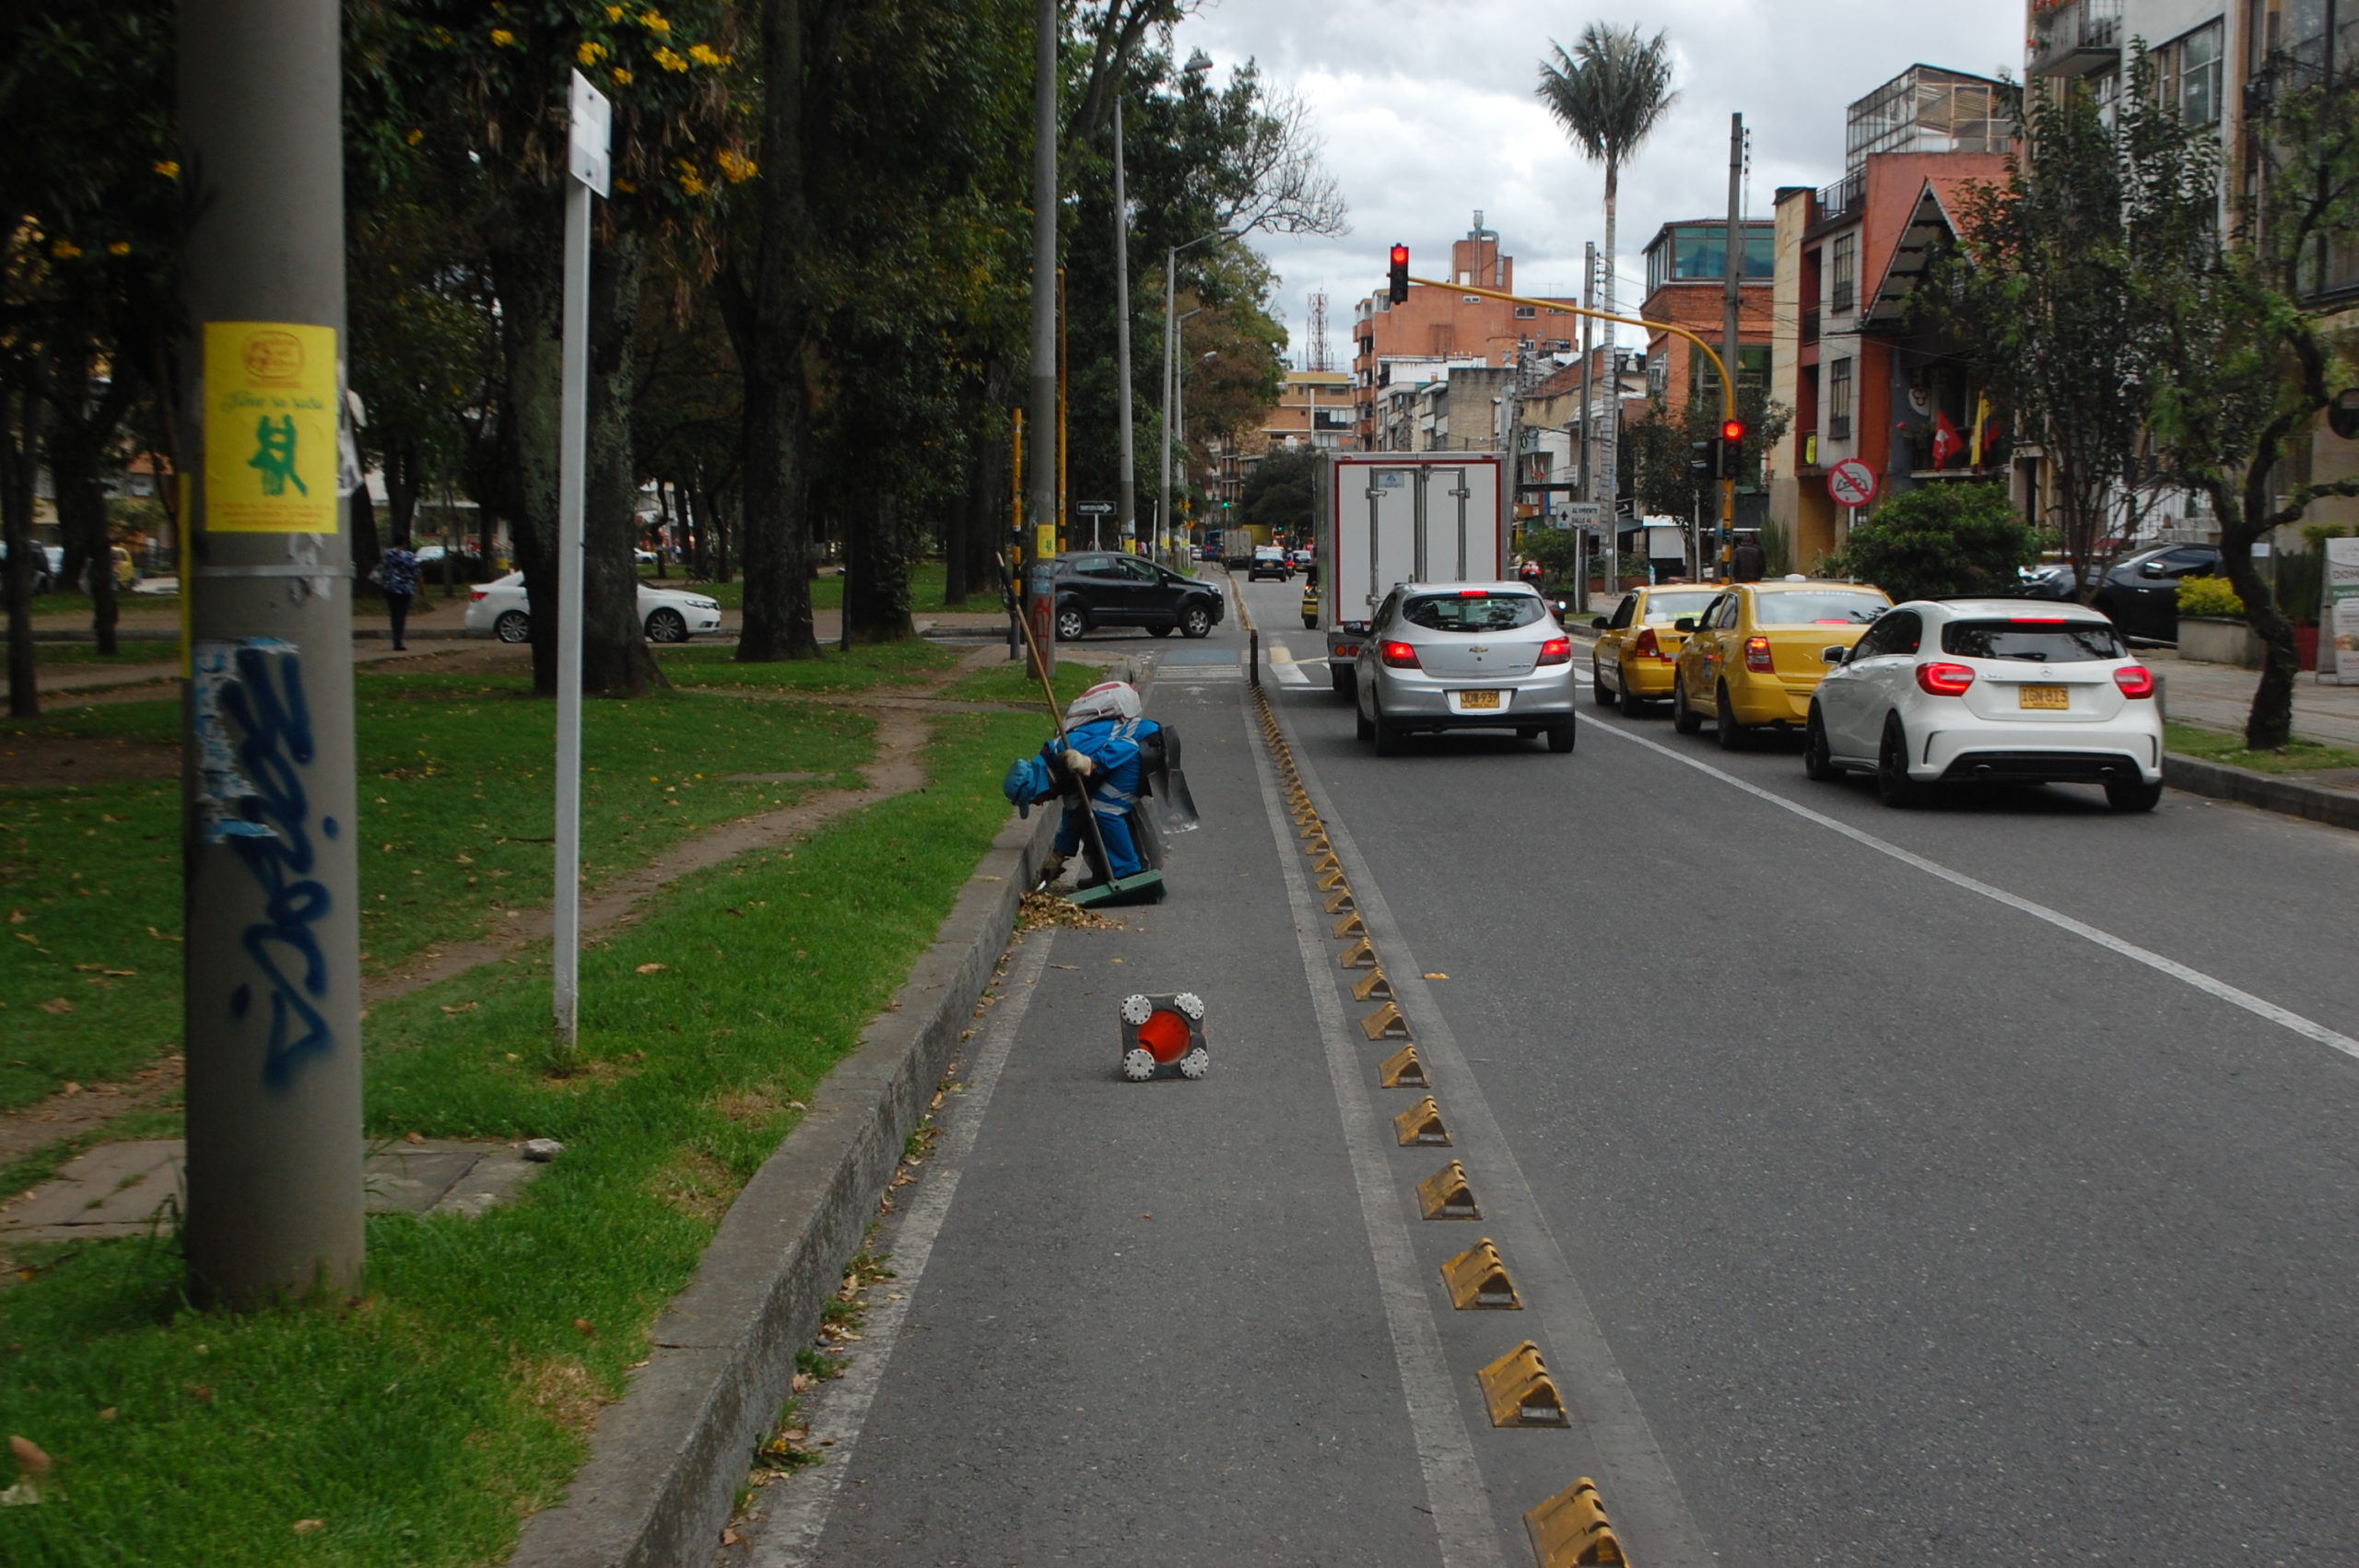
[1557,651]
[2135,680]
[1347,650]
[1647,647]
[478,595]
[1944,680]
[1401,656]
[1756,654]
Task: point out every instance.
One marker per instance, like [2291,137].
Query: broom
[1145,885]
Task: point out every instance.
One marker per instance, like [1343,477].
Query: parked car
[1753,659]
[1464,656]
[1988,691]
[499,609]
[49,565]
[1639,645]
[1098,589]
[2140,591]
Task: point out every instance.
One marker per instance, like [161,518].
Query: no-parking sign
[1851,483]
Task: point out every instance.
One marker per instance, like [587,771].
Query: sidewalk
[2219,697]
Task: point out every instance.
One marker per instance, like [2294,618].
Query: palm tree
[1609,94]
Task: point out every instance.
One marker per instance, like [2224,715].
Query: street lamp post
[1171,357]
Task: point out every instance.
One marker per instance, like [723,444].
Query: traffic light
[1399,286]
[1731,457]
[1703,460]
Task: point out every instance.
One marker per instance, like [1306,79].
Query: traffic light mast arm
[1728,382]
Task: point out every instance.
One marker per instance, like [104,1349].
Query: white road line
[1649,1511]
[1461,1511]
[789,1529]
[2202,982]
[1290,673]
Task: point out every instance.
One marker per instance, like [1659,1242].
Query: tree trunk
[19,460]
[404,477]
[76,454]
[877,576]
[615,658]
[528,271]
[366,550]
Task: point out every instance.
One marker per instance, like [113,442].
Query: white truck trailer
[1387,518]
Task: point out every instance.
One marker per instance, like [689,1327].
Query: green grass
[125,600]
[2220,746]
[926,582]
[1015,683]
[857,669]
[127,652]
[419,1423]
[454,810]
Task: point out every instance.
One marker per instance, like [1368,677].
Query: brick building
[1446,327]
[1687,283]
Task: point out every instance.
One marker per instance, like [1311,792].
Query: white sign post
[1854,486]
[2340,639]
[590,130]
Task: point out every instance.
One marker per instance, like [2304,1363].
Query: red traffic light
[1400,255]
[1733,430]
[1397,284]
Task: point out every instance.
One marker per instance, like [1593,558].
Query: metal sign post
[590,124]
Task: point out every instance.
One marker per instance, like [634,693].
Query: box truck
[1381,518]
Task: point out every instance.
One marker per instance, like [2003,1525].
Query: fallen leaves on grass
[650,968]
[33,1467]
[309,1527]
[562,1390]
[57,1005]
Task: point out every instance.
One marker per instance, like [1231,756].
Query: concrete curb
[666,1461]
[2336,808]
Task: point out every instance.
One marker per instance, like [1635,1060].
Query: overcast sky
[1428,114]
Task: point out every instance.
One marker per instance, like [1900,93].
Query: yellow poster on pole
[270,429]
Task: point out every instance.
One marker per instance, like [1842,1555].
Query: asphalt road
[1970,1184]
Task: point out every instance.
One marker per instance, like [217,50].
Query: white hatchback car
[1988,691]
[499,609]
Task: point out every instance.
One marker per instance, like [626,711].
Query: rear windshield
[2043,642]
[1471,612]
[1664,608]
[1818,607]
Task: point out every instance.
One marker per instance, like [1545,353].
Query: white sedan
[499,609]
[2000,691]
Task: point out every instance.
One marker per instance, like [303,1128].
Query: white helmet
[1108,699]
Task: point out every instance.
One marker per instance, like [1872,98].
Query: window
[1138,570]
[2189,81]
[1623,611]
[1471,610]
[1526,312]
[1724,617]
[1838,401]
[1663,608]
[1843,288]
[1818,607]
[1896,634]
[2041,642]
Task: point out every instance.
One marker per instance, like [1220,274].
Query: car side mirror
[1684,624]
[1598,624]
[2149,568]
[1836,654]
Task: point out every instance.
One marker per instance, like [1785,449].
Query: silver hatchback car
[1465,656]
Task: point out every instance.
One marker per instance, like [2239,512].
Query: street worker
[1100,755]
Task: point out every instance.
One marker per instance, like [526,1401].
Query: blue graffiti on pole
[255,745]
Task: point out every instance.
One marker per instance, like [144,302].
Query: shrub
[1938,540]
[2209,596]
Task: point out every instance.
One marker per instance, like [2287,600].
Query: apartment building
[1314,409]
[1687,284]
[1863,378]
[1446,326]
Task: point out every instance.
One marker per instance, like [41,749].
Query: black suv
[1096,590]
[2140,592]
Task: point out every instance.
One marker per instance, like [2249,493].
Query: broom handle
[1049,695]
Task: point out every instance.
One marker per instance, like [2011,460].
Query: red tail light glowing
[1557,651]
[1647,647]
[476,595]
[1756,654]
[2135,680]
[1944,680]
[1400,656]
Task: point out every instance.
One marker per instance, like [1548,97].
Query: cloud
[1427,112]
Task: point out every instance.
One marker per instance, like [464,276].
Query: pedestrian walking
[1746,562]
[397,575]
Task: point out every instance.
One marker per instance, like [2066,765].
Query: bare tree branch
[1287,189]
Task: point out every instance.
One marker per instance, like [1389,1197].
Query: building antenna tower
[1319,361]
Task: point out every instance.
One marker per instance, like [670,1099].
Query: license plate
[2044,697]
[1478,699]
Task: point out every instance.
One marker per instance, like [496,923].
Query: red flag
[1947,443]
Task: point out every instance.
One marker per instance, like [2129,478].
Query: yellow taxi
[1754,655]
[1637,644]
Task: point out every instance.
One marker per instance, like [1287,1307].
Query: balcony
[1810,325]
[2073,37]
[1844,195]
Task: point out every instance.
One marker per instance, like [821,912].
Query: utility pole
[1588,405]
[1038,572]
[272,901]
[1126,497]
[1731,307]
